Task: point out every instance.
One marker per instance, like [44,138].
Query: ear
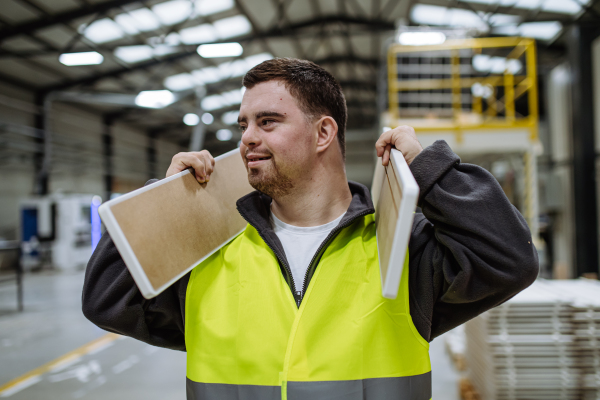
[326,133]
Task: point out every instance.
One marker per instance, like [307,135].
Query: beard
[270,180]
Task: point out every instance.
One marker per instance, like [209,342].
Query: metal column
[151,155]
[42,155]
[107,152]
[580,38]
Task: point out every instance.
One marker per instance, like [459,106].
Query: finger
[177,164]
[199,169]
[209,163]
[382,142]
[187,160]
[207,159]
[386,155]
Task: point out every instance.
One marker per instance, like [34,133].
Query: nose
[250,137]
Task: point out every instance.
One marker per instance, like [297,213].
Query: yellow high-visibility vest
[247,339]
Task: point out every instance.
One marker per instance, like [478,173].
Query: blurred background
[96,96]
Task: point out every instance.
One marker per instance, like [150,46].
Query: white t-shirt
[300,244]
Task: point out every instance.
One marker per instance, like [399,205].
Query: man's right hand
[201,161]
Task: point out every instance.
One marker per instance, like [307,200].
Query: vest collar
[255,209]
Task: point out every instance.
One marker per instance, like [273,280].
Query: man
[292,307]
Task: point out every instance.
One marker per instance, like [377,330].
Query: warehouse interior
[97,96]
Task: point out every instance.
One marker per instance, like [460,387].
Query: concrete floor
[93,365]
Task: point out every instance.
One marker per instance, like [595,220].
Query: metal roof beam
[28,28]
[372,23]
[511,10]
[275,32]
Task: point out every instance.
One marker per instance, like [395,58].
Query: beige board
[176,224]
[387,212]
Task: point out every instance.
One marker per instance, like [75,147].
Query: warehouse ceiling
[152,45]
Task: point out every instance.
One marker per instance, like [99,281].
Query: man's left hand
[403,138]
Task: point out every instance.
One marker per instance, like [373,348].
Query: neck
[316,200]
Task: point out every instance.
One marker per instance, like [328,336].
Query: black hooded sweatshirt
[470,250]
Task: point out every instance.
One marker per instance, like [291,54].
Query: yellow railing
[499,112]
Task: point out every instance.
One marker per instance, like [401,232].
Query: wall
[16,167]
[77,161]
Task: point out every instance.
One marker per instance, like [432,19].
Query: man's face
[278,146]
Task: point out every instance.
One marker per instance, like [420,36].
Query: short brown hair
[315,89]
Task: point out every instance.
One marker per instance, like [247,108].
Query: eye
[266,122]
[242,128]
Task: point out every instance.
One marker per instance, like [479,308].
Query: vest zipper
[317,257]
[298,296]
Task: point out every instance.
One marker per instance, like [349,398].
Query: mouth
[255,161]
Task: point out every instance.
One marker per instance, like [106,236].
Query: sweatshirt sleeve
[112,301]
[470,249]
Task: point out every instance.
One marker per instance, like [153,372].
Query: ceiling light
[220,50]
[540,30]
[173,12]
[514,66]
[212,102]
[154,98]
[222,100]
[127,23]
[421,38]
[502,19]
[562,6]
[429,15]
[233,97]
[179,82]
[496,65]
[172,39]
[207,118]
[233,68]
[207,75]
[479,90]
[102,31]
[558,6]
[232,26]
[443,16]
[224,135]
[256,59]
[144,19]
[481,1]
[163,50]
[191,119]
[198,34]
[203,76]
[230,118]
[207,7]
[481,62]
[526,4]
[84,58]
[507,30]
[132,54]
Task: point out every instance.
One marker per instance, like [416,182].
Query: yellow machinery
[478,94]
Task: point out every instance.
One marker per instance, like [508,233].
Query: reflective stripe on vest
[409,387]
[245,337]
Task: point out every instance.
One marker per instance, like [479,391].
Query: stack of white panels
[542,344]
[585,302]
